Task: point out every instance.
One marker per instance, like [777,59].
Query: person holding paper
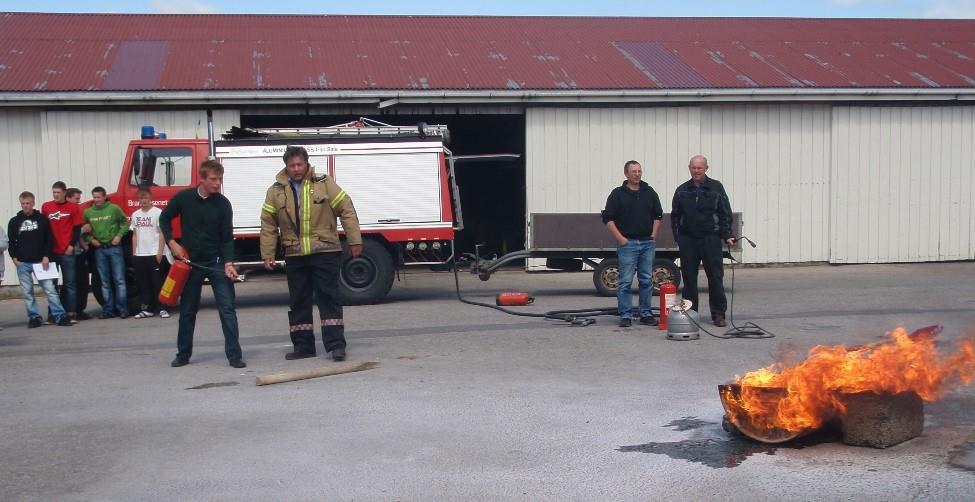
[31,247]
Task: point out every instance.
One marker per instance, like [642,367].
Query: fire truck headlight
[410,246]
[435,246]
[423,246]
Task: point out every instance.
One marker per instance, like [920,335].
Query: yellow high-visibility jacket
[308,227]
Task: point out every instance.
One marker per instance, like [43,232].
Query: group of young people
[59,245]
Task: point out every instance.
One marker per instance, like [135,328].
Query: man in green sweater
[108,225]
[207,219]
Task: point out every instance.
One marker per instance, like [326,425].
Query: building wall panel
[774,163]
[902,184]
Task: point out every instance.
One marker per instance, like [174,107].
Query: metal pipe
[213,150]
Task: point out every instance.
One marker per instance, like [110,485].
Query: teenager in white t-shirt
[149,254]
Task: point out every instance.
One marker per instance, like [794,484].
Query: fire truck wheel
[607,274]
[367,278]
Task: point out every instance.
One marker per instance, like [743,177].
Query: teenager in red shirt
[65,218]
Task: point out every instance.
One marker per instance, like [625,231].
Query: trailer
[567,241]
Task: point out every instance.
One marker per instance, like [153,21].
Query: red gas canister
[173,285]
[668,298]
[513,299]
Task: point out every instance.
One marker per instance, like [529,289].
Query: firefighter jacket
[309,226]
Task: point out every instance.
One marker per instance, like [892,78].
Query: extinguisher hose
[577,317]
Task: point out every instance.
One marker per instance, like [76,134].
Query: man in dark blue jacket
[633,215]
[701,221]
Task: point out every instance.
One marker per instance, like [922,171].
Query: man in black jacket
[31,243]
[207,219]
[633,215]
[701,221]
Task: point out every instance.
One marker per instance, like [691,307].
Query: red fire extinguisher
[173,285]
[668,298]
[513,299]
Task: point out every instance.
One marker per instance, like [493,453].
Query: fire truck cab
[400,179]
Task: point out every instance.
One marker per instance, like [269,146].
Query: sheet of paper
[50,273]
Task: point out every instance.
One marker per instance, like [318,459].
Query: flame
[803,396]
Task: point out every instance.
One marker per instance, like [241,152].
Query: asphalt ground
[468,403]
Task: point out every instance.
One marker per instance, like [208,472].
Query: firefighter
[299,212]
[701,221]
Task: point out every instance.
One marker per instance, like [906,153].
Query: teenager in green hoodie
[108,225]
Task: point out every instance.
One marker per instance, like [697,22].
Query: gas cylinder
[668,298]
[683,322]
[173,285]
[513,299]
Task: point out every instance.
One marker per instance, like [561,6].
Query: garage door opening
[491,178]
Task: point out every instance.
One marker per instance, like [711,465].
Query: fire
[790,398]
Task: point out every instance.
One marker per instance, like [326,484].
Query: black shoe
[338,354]
[50,320]
[106,315]
[719,320]
[648,320]
[83,316]
[626,323]
[65,321]
[238,363]
[35,322]
[291,356]
[123,316]
[180,361]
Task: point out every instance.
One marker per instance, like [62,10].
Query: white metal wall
[774,163]
[81,148]
[20,168]
[575,157]
[902,184]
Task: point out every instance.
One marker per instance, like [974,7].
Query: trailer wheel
[367,278]
[664,271]
[606,277]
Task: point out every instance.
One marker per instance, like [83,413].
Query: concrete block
[881,420]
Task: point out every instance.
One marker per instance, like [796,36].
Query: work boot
[64,321]
[180,361]
[626,323]
[719,320]
[83,316]
[35,322]
[648,320]
[237,363]
[338,354]
[291,356]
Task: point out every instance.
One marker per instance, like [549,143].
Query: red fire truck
[400,179]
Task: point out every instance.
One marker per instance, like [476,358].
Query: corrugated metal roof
[95,52]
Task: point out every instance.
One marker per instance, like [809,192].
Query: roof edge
[383,99]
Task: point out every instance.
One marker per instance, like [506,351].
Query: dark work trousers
[83,265]
[149,276]
[314,279]
[189,304]
[704,250]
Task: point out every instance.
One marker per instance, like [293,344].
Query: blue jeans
[635,256]
[111,269]
[69,290]
[25,272]
[189,304]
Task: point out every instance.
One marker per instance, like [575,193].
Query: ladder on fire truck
[361,127]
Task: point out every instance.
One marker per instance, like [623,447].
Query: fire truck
[400,179]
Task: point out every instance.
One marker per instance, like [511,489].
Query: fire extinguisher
[668,298]
[513,299]
[173,285]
